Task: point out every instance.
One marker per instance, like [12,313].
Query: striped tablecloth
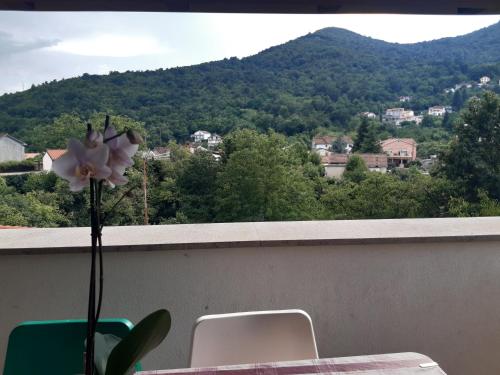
[390,364]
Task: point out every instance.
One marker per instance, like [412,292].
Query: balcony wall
[375,286]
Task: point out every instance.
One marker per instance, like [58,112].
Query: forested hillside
[320,80]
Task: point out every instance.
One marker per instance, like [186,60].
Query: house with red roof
[400,151]
[49,157]
[335,163]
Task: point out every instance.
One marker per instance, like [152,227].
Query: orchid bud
[93,139]
[134,137]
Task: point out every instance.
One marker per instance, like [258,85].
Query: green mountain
[318,80]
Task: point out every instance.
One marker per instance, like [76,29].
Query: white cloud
[111,45]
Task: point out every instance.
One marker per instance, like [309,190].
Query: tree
[355,169]
[458,99]
[366,139]
[262,179]
[473,159]
[339,145]
[196,184]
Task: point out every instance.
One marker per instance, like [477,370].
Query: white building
[438,110]
[404,98]
[484,80]
[322,143]
[214,140]
[11,149]
[49,157]
[200,136]
[161,153]
[399,115]
[368,114]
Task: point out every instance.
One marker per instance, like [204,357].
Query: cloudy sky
[38,47]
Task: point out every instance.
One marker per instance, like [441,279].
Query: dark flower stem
[99,240]
[91,322]
[115,136]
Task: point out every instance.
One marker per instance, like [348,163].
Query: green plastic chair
[54,346]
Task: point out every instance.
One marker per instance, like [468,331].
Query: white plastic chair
[250,337]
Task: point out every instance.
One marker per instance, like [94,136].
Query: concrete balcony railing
[374,286]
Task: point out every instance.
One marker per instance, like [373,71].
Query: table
[381,364]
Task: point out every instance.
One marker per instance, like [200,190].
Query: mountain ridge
[321,79]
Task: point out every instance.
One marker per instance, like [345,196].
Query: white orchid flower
[121,151]
[79,164]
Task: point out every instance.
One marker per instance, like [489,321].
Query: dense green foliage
[266,176]
[473,159]
[367,140]
[17,166]
[319,80]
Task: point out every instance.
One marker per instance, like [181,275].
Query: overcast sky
[38,47]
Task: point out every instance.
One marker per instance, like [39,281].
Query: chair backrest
[55,346]
[250,337]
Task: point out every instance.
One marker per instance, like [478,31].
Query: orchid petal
[78,184]
[102,172]
[125,145]
[98,157]
[117,179]
[76,148]
[110,133]
[119,157]
[65,166]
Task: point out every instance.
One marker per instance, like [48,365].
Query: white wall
[46,162]
[10,150]
[429,286]
[334,171]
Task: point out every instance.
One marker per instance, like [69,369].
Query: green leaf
[104,345]
[143,338]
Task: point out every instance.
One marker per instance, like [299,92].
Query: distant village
[397,116]
[396,152]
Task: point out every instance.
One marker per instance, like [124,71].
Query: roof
[334,158]
[263,6]
[389,141]
[31,155]
[55,154]
[11,137]
[374,160]
[371,160]
[323,140]
[161,150]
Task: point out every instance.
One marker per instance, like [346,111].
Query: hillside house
[399,151]
[438,110]
[49,157]
[484,80]
[214,140]
[322,144]
[200,136]
[399,115]
[11,149]
[161,153]
[335,163]
[368,114]
[404,98]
